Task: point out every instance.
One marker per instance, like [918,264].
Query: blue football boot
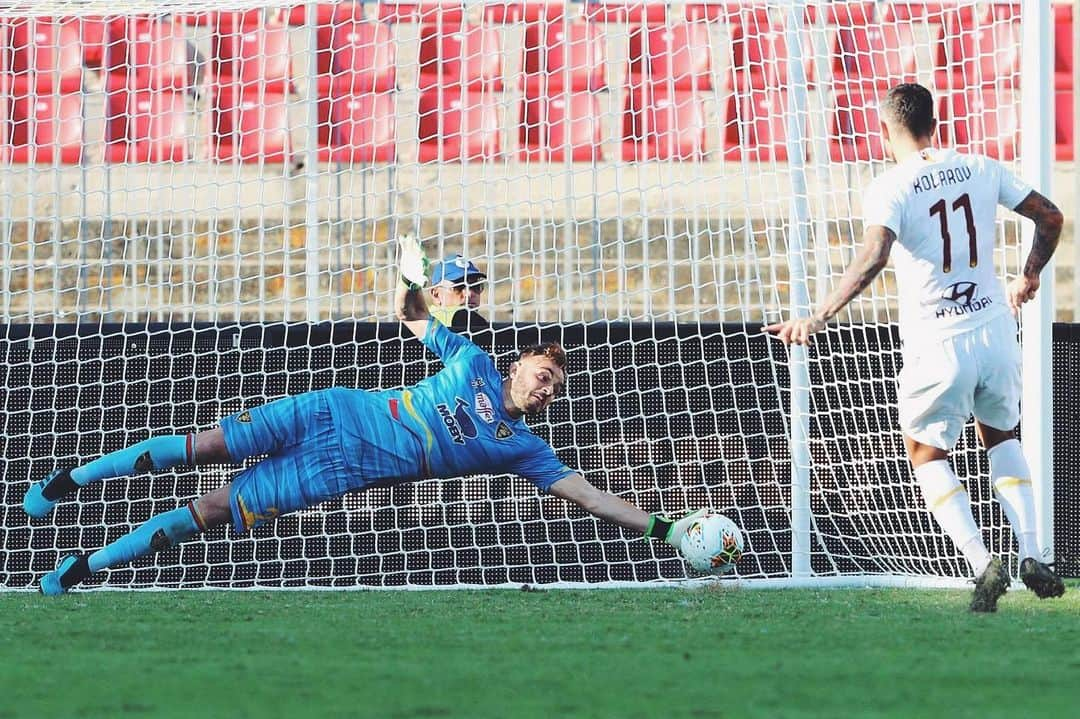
[42,496]
[72,569]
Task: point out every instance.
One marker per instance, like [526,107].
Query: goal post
[198,210]
[1037,151]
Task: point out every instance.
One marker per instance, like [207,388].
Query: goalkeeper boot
[989,587]
[42,496]
[1040,579]
[72,569]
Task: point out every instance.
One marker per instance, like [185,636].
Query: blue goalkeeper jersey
[451,424]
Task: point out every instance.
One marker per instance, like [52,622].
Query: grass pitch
[654,654]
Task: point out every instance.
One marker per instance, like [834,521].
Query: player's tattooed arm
[870,260]
[868,263]
[1048,221]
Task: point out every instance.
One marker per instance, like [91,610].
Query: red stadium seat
[908,11]
[983,121]
[325,13]
[564,124]
[707,12]
[1064,52]
[760,53]
[846,14]
[663,124]
[254,17]
[856,129]
[45,127]
[435,13]
[358,128]
[678,54]
[876,56]
[559,54]
[143,52]
[92,34]
[979,49]
[45,54]
[1064,136]
[626,11]
[458,125]
[515,12]
[146,126]
[361,52]
[755,126]
[249,127]
[456,54]
[255,56]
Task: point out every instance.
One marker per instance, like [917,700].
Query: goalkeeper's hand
[670,530]
[412,263]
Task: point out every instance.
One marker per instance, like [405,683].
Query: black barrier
[704,400]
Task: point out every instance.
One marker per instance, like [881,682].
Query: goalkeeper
[466,419]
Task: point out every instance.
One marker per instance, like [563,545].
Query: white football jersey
[942,205]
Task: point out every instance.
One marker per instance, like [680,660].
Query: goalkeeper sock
[154,453]
[155,535]
[1012,484]
[948,502]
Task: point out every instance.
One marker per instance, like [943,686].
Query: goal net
[198,210]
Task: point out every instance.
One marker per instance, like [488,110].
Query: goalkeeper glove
[670,530]
[412,263]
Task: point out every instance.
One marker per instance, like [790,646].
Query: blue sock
[156,534]
[154,453]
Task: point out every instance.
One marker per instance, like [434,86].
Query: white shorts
[976,372]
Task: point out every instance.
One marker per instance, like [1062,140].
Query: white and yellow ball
[712,544]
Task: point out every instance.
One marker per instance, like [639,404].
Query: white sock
[948,501]
[1012,485]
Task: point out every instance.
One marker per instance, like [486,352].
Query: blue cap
[455,268]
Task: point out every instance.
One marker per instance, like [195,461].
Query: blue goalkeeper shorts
[305,466]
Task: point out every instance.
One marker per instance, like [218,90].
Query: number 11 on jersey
[939,208]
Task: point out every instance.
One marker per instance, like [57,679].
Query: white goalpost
[198,210]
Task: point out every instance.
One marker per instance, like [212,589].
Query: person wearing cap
[456,285]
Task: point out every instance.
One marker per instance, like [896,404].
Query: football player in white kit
[961,355]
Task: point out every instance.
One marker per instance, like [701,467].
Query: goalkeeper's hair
[912,107]
[552,350]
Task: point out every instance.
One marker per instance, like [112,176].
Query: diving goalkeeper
[466,419]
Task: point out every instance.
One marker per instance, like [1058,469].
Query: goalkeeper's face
[535,382]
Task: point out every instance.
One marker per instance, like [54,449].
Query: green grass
[650,654]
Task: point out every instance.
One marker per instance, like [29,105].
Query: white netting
[185,196]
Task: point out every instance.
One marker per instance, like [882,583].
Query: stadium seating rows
[149,67]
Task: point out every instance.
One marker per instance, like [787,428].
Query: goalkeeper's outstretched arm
[605,505]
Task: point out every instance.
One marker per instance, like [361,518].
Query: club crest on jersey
[484,408]
[459,425]
[503,431]
[964,300]
[244,416]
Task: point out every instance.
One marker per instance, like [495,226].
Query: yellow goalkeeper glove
[412,263]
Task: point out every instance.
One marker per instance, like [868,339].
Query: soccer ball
[712,544]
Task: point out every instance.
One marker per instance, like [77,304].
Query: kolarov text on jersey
[451,424]
[942,206]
